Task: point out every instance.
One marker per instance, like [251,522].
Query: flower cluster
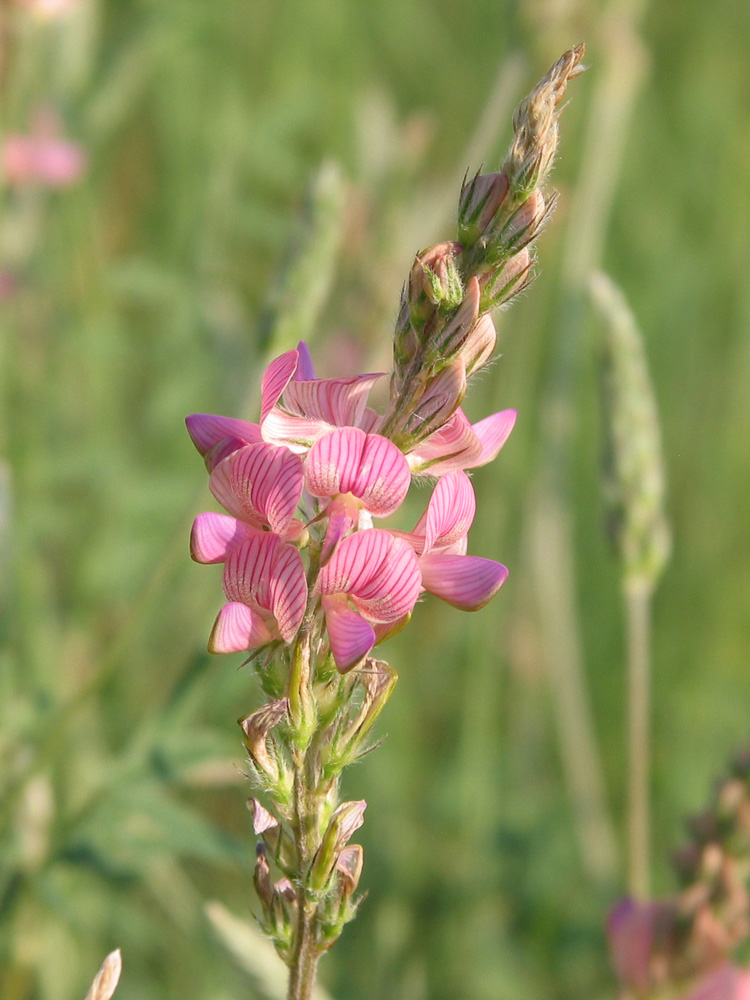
[302,487]
[685,943]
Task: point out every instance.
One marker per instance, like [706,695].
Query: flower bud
[440,400]
[480,345]
[434,283]
[479,201]
[349,868]
[450,339]
[345,820]
[501,284]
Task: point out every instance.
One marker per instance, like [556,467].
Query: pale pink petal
[222,450]
[343,515]
[493,432]
[338,401]
[305,368]
[726,982]
[288,591]
[248,570]
[371,421]
[260,483]
[467,582]
[383,478]
[354,561]
[296,433]
[450,512]
[394,585]
[213,535]
[350,635]
[275,379]
[333,462]
[455,446]
[237,628]
[207,430]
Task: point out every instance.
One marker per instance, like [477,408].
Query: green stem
[305,956]
[638,612]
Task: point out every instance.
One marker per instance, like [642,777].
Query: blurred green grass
[142,294]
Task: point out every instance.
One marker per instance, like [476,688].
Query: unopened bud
[503,283]
[262,881]
[449,340]
[480,199]
[347,818]
[274,836]
[442,397]
[434,283]
[480,344]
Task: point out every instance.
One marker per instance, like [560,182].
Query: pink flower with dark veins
[440,542]
[368,586]
[358,472]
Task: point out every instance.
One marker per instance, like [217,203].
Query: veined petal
[455,446]
[288,591]
[338,401]
[354,562]
[296,433]
[450,512]
[333,462]
[394,586]
[493,432]
[275,379]
[208,429]
[466,582]
[351,637]
[214,534]
[383,478]
[343,514]
[237,628]
[261,484]
[248,570]
[223,449]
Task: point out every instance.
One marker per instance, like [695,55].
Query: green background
[156,286]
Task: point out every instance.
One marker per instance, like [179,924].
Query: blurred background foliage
[254,172]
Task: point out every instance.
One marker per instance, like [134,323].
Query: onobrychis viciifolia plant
[311,585]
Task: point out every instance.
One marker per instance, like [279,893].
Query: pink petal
[237,628]
[207,429]
[383,477]
[248,570]
[450,512]
[305,368]
[466,582]
[493,432]
[367,465]
[455,446]
[353,562]
[296,433]
[394,586]
[222,450]
[726,982]
[261,484]
[333,462]
[213,535]
[343,515]
[275,379]
[288,591]
[338,401]
[350,635]
[377,570]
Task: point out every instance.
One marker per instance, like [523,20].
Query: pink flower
[440,541]
[296,410]
[42,156]
[632,933]
[371,580]
[461,445]
[264,581]
[726,982]
[49,8]
[357,471]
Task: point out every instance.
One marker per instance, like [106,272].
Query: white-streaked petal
[493,432]
[450,512]
[455,446]
[383,477]
[288,591]
[275,379]
[338,401]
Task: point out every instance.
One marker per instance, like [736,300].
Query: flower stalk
[312,585]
